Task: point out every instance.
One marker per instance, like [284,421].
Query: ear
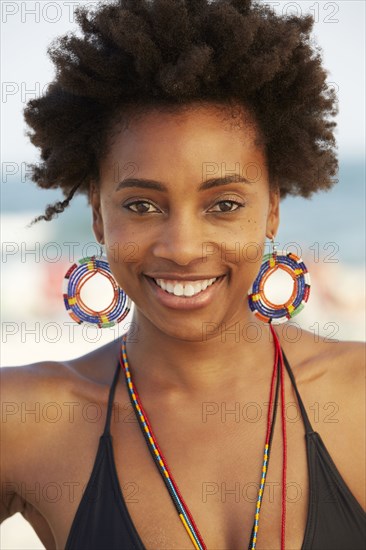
[273,218]
[94,200]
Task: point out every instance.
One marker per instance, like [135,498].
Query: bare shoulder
[23,391]
[36,403]
[19,381]
[53,380]
[330,376]
[92,368]
[328,371]
[322,358]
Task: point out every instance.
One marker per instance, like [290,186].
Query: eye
[226,206]
[141,207]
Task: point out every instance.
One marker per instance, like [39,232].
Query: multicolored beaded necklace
[180,505]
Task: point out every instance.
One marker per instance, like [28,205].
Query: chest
[217,467]
[218,472]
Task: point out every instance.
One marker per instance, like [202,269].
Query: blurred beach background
[327,231]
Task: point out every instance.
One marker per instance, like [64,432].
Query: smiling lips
[184,288]
[184,294]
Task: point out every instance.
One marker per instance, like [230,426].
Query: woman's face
[185,196]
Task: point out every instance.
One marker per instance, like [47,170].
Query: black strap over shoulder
[308,426]
[110,400]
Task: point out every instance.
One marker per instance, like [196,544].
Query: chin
[188,330]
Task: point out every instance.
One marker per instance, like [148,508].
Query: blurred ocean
[328,231]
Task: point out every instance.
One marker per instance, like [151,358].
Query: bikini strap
[308,426]
[110,401]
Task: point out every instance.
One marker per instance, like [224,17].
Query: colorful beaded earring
[261,306]
[75,278]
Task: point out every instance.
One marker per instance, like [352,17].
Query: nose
[180,240]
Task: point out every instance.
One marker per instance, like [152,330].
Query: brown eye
[226,206]
[140,207]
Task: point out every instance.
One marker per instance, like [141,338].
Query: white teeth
[197,288]
[188,288]
[168,286]
[178,290]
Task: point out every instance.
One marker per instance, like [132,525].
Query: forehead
[185,139]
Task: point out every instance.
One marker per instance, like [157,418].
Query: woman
[185,123]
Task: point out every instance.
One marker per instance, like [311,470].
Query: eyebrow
[158,186]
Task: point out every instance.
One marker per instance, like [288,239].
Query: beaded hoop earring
[75,278]
[261,306]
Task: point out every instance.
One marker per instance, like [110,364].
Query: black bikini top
[336,521]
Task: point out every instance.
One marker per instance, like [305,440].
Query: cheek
[250,234]
[124,252]
[243,251]
[121,246]
[117,234]
[124,261]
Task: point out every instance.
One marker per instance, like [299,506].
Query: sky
[28,27]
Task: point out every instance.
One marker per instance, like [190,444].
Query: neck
[224,363]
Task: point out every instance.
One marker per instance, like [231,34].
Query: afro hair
[170,53]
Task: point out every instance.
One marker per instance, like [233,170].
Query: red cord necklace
[180,505]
